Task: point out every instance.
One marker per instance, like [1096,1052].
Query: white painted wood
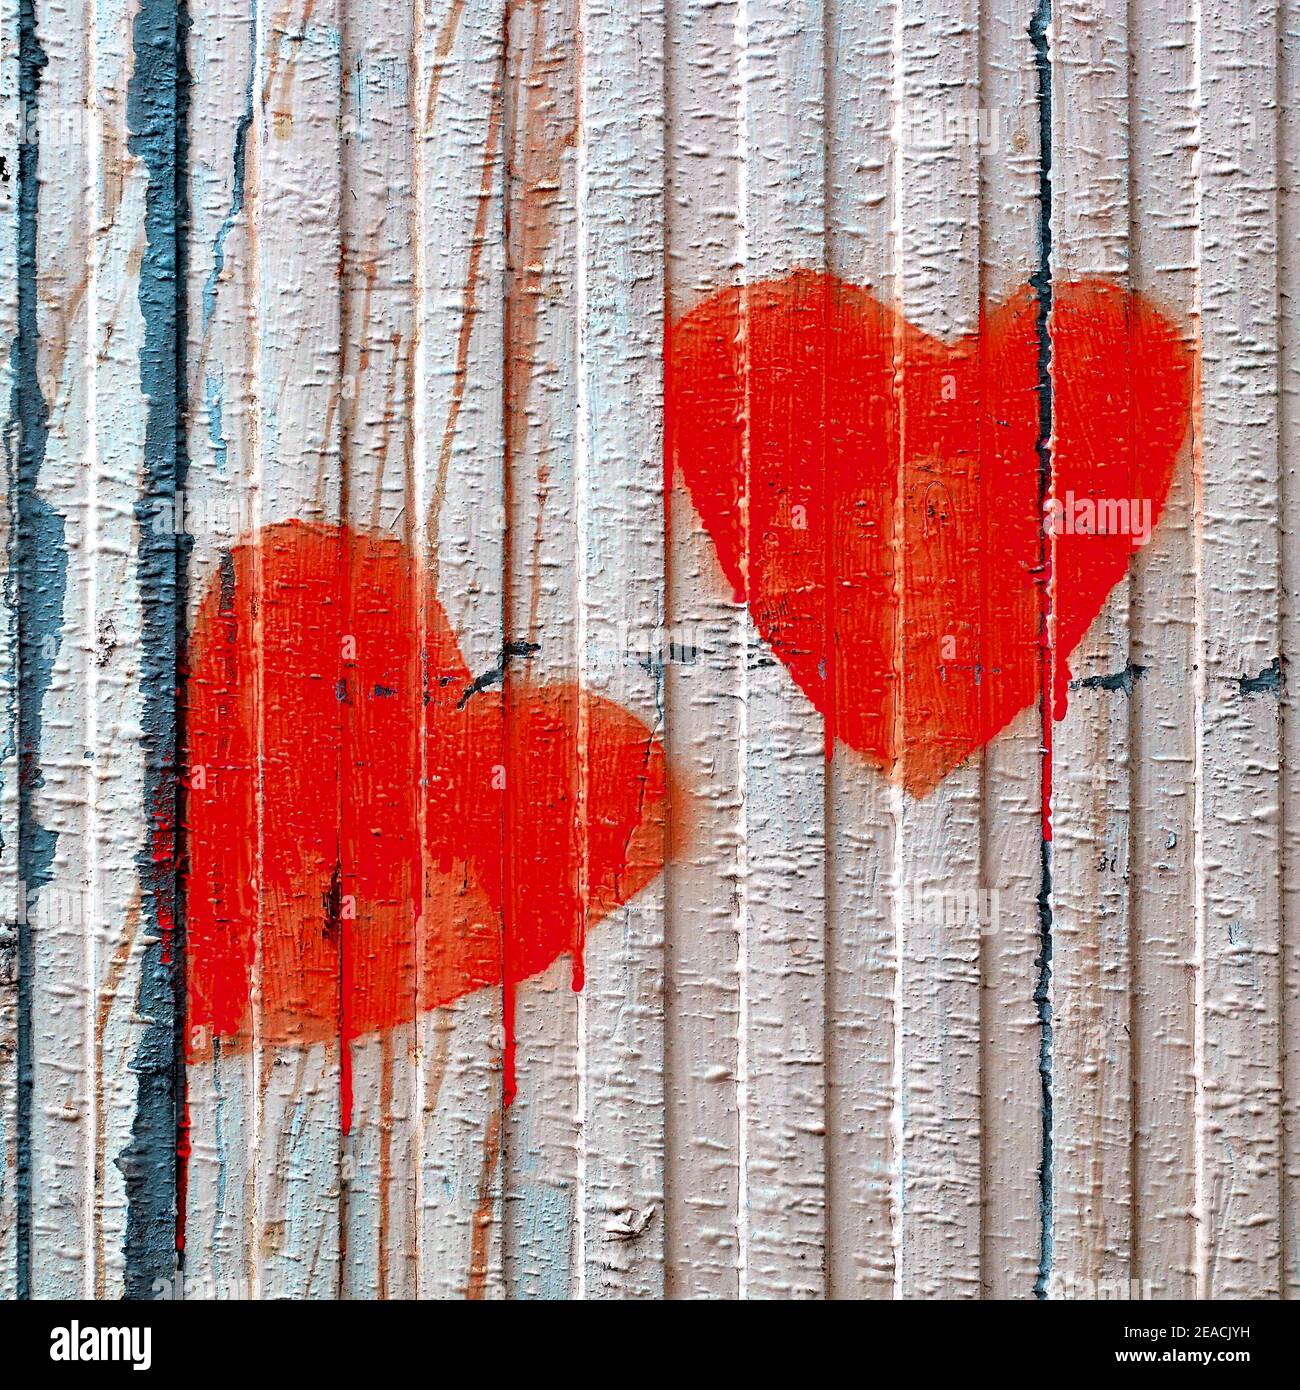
[1162,248]
[542,1197]
[297,216]
[116,928]
[938,838]
[428,261]
[703,648]
[1011,790]
[620,515]
[1238,574]
[783,929]
[10,114]
[63,1104]
[861,965]
[219,509]
[1092,1062]
[461,499]
[1289,352]
[379,230]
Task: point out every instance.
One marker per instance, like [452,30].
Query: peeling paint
[1116,680]
[1269,681]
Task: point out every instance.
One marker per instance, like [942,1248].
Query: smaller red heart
[873,493]
[375,754]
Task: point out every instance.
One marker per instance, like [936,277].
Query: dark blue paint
[1115,680]
[1269,681]
[1041,280]
[36,584]
[157,117]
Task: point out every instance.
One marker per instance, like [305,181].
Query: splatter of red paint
[890,540]
[370,831]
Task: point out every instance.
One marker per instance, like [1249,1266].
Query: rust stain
[395,377]
[550,124]
[107,996]
[385,1155]
[114,160]
[282,114]
[129,288]
[57,338]
[273,1227]
[341,403]
[397,419]
[442,49]
[476,1288]
[436,1069]
[469,311]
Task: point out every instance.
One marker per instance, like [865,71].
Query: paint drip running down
[371,832]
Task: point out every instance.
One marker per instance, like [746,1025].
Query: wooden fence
[644,648]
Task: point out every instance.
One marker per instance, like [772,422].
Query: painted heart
[890,541]
[376,753]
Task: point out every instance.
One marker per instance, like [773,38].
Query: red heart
[850,409]
[367,745]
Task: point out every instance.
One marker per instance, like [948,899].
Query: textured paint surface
[508,495]
[156,119]
[38,561]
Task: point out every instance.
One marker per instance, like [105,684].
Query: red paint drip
[164,866]
[337,908]
[811,379]
[1051,699]
[163,858]
[183,1149]
[509,1075]
[579,979]
[433,892]
[345,1085]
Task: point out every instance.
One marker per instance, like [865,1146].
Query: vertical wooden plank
[10,668]
[1289,354]
[783,935]
[703,646]
[129,673]
[383,403]
[1091,968]
[381,499]
[218,509]
[460,491]
[542,1199]
[1239,673]
[621,592]
[1163,723]
[938,837]
[1011,793]
[151,1167]
[859,836]
[861,964]
[298,215]
[57,646]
